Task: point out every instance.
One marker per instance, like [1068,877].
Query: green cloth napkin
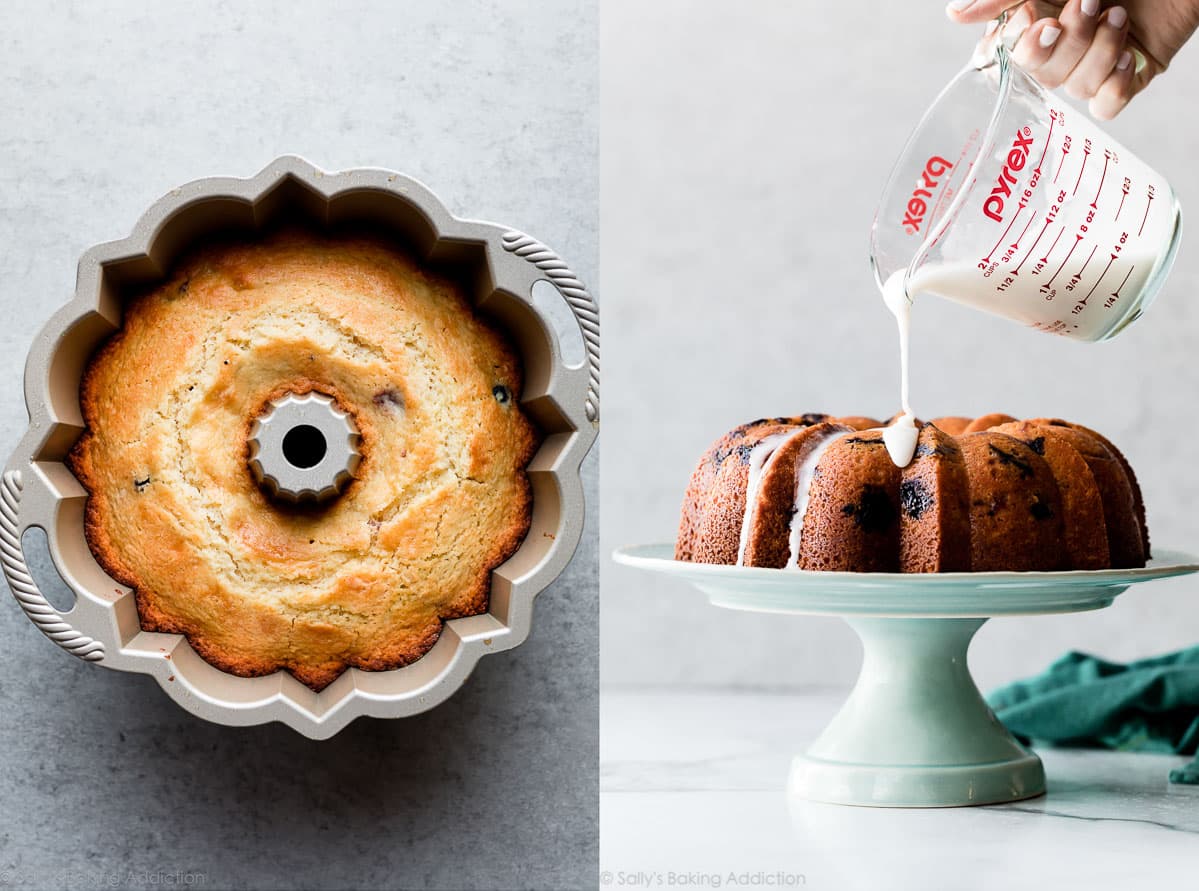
[1151,705]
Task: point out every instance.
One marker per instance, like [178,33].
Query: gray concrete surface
[743,151]
[103,781]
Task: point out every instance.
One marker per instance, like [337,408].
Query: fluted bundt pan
[38,490]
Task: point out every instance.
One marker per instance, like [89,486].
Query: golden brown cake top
[439,499]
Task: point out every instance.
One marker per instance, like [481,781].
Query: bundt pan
[38,490]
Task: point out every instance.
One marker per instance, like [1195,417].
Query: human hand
[1104,56]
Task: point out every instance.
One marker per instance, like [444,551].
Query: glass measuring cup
[1009,201]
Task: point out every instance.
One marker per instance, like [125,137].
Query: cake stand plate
[915,731]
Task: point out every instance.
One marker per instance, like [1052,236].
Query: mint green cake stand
[915,732]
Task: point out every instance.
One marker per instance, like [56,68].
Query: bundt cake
[439,498]
[992,493]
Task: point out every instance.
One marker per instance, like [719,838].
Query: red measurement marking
[1148,204]
[1045,259]
[1116,293]
[1016,271]
[1086,153]
[1016,244]
[1095,203]
[1061,163]
[1077,239]
[1084,300]
[1084,265]
[1015,217]
[1121,207]
[1048,138]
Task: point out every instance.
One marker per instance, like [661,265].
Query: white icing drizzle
[759,457]
[805,472]
[900,437]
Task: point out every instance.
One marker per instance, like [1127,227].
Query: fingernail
[958,5]
[1049,36]
[1125,60]
[1141,60]
[1090,7]
[1117,16]
[1020,22]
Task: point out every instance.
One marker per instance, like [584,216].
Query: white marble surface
[691,791]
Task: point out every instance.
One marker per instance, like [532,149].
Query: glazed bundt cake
[992,493]
[439,498]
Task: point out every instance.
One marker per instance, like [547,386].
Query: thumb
[968,12]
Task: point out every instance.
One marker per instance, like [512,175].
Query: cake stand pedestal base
[915,731]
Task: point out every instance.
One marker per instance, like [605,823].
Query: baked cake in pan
[439,498]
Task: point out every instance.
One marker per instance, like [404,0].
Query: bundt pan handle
[19,511]
[582,305]
[38,490]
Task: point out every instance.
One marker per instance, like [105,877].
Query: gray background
[103,779]
[744,148]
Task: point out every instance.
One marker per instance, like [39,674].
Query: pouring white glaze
[900,436]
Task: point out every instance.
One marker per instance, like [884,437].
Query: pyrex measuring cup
[1007,200]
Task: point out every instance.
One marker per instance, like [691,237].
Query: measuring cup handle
[577,297]
[24,588]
